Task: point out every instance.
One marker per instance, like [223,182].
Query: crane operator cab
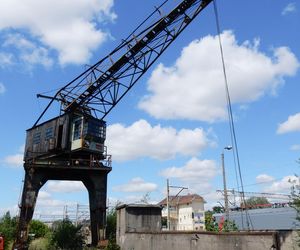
[88,134]
[77,136]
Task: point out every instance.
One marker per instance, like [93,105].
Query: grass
[39,244]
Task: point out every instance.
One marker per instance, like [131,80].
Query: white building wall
[189,216]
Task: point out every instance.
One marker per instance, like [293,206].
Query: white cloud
[290,8]
[69,27]
[295,147]
[262,178]
[291,125]
[196,175]
[65,186]
[2,88]
[14,160]
[193,170]
[43,195]
[193,88]
[142,140]
[284,185]
[28,52]
[136,185]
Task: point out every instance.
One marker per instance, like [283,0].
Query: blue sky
[173,123]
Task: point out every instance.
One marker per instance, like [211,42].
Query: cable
[231,122]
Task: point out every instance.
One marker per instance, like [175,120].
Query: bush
[38,228]
[8,228]
[67,236]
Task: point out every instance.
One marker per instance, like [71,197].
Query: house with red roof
[186,212]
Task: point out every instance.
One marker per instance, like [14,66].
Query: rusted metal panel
[48,137]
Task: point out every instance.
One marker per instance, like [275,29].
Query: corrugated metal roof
[265,219]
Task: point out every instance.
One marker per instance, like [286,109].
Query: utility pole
[168,205]
[168,200]
[224,183]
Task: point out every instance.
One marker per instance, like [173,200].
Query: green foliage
[256,202]
[8,228]
[111,224]
[210,222]
[295,195]
[38,228]
[40,244]
[112,245]
[218,209]
[67,236]
[229,226]
[164,222]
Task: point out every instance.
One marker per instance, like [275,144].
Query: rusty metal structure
[72,145]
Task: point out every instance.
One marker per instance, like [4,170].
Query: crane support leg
[32,184]
[94,179]
[96,186]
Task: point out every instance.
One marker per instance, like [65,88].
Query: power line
[229,110]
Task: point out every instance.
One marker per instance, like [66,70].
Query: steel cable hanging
[231,124]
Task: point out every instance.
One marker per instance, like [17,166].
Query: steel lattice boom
[104,84]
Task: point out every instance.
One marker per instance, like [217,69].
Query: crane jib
[111,74]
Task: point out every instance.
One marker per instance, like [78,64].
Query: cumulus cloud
[194,169]
[262,178]
[2,88]
[284,185]
[29,52]
[291,125]
[196,174]
[69,27]
[65,186]
[14,160]
[136,185]
[193,88]
[43,195]
[143,140]
[290,8]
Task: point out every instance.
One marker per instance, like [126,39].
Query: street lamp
[224,183]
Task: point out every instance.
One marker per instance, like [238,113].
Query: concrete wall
[207,241]
[133,218]
[138,228]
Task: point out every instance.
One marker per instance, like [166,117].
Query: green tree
[38,228]
[111,224]
[112,245]
[67,236]
[256,202]
[8,226]
[295,195]
[210,222]
[218,209]
[229,226]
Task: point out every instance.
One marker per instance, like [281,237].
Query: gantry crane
[71,146]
